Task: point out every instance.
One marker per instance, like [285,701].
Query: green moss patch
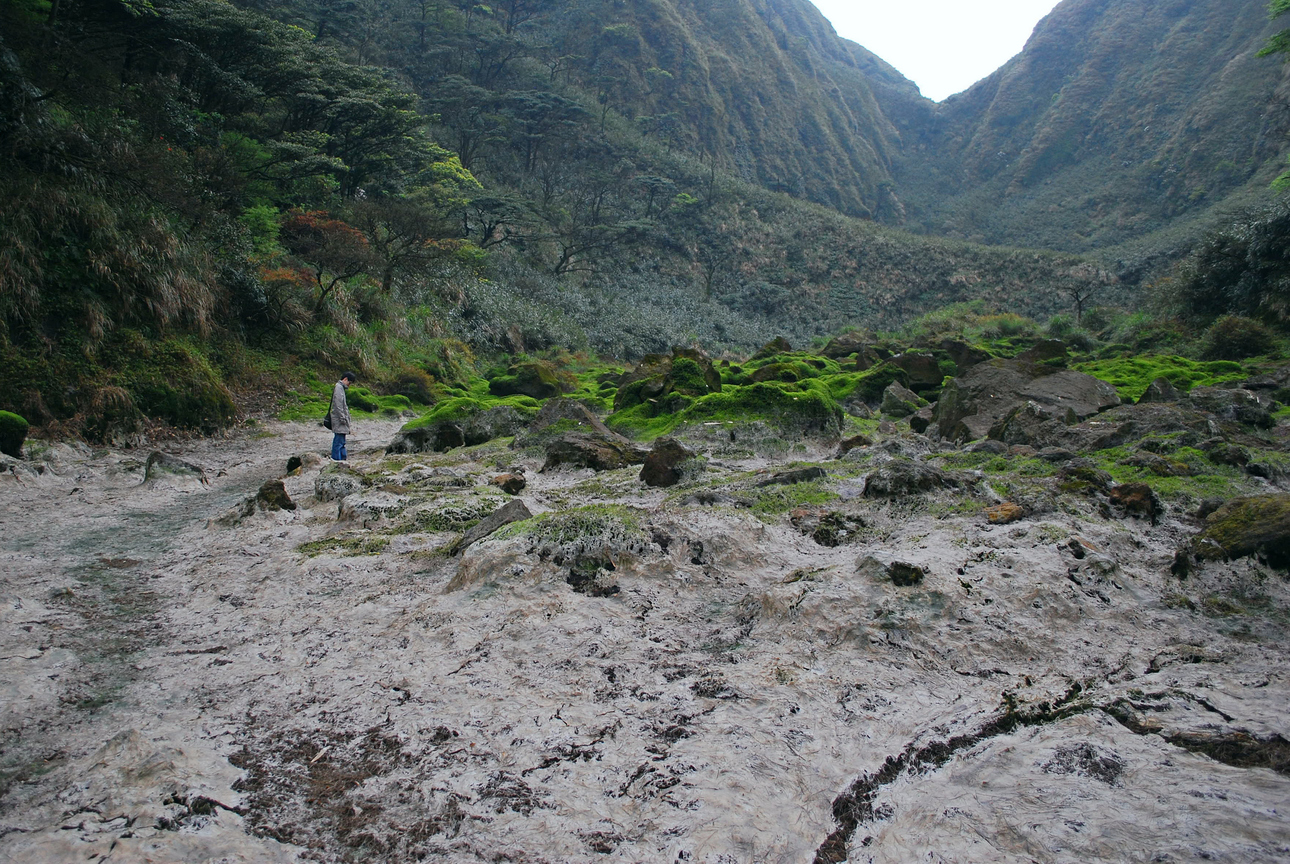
[789,408]
[346,545]
[1131,375]
[13,432]
[461,407]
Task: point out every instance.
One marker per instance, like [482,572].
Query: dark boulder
[902,574]
[13,432]
[1253,525]
[921,420]
[1044,351]
[273,496]
[900,401]
[1137,499]
[972,403]
[1161,390]
[668,463]
[923,369]
[778,345]
[795,475]
[593,450]
[965,356]
[849,444]
[901,477]
[845,344]
[1241,406]
[161,465]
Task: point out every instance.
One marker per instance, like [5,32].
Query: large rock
[845,344]
[900,401]
[558,416]
[973,402]
[1241,406]
[536,379]
[901,477]
[464,430]
[273,496]
[924,370]
[668,463]
[593,450]
[334,484]
[1128,423]
[163,466]
[965,356]
[778,345]
[1253,525]
[1161,390]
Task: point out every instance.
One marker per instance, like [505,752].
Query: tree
[334,250]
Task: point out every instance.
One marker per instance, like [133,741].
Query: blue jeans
[338,447]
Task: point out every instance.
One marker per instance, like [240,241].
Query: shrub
[13,431]
[1235,338]
[416,385]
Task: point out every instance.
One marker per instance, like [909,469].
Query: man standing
[339,414]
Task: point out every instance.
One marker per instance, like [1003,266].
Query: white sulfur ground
[175,689]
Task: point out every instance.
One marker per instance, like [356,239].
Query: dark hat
[351,376]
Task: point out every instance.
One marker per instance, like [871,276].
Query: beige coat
[339,410]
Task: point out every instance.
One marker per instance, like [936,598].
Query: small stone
[797,475]
[512,511]
[849,444]
[1056,454]
[273,496]
[1136,499]
[922,419]
[664,465]
[989,445]
[511,484]
[1025,451]
[1005,513]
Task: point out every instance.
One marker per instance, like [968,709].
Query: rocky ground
[845,664]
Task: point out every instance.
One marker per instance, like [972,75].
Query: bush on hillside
[1235,338]
[1243,269]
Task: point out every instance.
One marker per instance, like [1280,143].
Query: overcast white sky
[943,46]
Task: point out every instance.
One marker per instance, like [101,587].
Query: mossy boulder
[872,382]
[556,417]
[669,462]
[464,422]
[793,412]
[899,401]
[13,432]
[1252,525]
[845,344]
[778,345]
[658,377]
[902,477]
[536,379]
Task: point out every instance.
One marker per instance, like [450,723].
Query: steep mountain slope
[1117,117]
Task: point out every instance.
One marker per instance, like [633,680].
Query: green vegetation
[787,407]
[347,545]
[1132,375]
[13,432]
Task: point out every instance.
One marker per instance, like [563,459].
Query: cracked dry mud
[665,680]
